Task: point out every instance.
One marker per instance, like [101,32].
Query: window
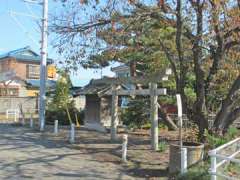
[33,71]
[9,92]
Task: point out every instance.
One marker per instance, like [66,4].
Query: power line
[22,27]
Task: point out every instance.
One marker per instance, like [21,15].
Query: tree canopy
[198,39]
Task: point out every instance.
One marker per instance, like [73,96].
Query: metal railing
[219,159]
[12,112]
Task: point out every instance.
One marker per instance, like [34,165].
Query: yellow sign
[51,71]
[32,93]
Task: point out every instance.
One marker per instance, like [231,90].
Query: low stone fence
[29,104]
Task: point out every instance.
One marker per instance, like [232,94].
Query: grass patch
[197,172]
[162,146]
[232,170]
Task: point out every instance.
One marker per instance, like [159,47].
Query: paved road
[28,154]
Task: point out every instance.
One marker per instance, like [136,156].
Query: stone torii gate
[153,92]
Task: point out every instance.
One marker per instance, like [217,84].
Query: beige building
[25,63]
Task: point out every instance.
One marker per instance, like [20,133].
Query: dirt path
[29,154]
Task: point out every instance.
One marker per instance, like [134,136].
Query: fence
[12,104]
[223,155]
[211,117]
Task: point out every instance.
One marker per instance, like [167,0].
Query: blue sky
[12,36]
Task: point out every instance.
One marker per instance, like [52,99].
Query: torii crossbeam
[153,92]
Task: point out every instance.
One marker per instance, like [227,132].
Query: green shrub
[60,105]
[232,133]
[162,146]
[136,115]
[197,172]
[60,114]
[215,141]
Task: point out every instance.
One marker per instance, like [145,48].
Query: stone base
[96,127]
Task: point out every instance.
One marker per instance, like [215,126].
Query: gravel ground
[28,154]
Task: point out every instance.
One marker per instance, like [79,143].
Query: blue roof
[24,54]
[36,83]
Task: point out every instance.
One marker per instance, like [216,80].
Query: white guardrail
[218,159]
[14,112]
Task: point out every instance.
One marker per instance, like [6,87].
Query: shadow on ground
[92,157]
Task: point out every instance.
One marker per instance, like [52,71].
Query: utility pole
[43,65]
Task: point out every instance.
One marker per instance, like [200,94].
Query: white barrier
[14,112]
[214,154]
[124,147]
[183,160]
[31,121]
[72,134]
[56,127]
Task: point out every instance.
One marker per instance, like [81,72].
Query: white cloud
[2,50]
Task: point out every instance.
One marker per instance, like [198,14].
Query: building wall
[28,104]
[92,110]
[80,102]
[7,64]
[21,68]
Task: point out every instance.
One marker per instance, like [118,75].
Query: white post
[183,151]
[179,105]
[22,119]
[213,164]
[7,114]
[124,148]
[31,122]
[15,116]
[114,113]
[72,133]
[183,160]
[43,64]
[154,116]
[56,127]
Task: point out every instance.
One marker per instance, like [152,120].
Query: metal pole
[43,65]
[213,164]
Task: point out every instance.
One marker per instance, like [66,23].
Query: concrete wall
[28,104]
[80,102]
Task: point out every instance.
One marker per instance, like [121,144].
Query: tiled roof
[120,68]
[94,87]
[36,83]
[24,54]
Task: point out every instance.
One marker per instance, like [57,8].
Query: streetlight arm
[33,2]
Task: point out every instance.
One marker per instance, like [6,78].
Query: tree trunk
[167,120]
[227,114]
[68,114]
[199,107]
